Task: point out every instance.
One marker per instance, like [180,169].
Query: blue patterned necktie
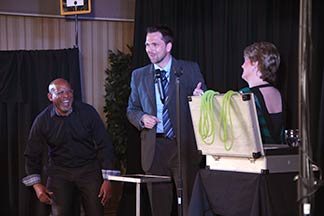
[168,130]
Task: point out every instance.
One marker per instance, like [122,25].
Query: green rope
[206,125]
[223,120]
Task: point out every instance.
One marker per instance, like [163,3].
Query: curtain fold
[214,34]
[24,79]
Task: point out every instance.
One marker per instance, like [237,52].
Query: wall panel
[3,32]
[95,38]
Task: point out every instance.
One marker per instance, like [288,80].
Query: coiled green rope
[223,120]
[206,125]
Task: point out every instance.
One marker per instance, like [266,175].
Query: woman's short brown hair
[268,58]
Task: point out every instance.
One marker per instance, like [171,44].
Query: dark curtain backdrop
[24,79]
[214,34]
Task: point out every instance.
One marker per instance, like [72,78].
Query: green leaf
[117,90]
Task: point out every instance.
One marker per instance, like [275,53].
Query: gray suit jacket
[142,101]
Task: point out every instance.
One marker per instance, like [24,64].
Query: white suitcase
[243,150]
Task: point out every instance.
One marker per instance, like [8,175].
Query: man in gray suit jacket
[153,112]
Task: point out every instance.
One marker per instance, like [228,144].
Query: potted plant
[117,88]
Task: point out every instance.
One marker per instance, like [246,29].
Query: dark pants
[72,184]
[163,195]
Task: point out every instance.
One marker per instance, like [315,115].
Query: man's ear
[169,46]
[50,96]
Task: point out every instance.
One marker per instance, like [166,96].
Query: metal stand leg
[138,179]
[138,199]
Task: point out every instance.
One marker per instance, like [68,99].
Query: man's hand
[43,194]
[105,192]
[198,91]
[149,121]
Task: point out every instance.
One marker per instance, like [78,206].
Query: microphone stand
[178,73]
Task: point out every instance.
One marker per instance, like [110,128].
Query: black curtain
[214,34]
[24,79]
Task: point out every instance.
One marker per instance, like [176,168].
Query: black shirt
[73,141]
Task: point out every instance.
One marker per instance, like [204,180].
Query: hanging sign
[71,7]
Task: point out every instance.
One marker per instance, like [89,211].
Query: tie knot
[163,74]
